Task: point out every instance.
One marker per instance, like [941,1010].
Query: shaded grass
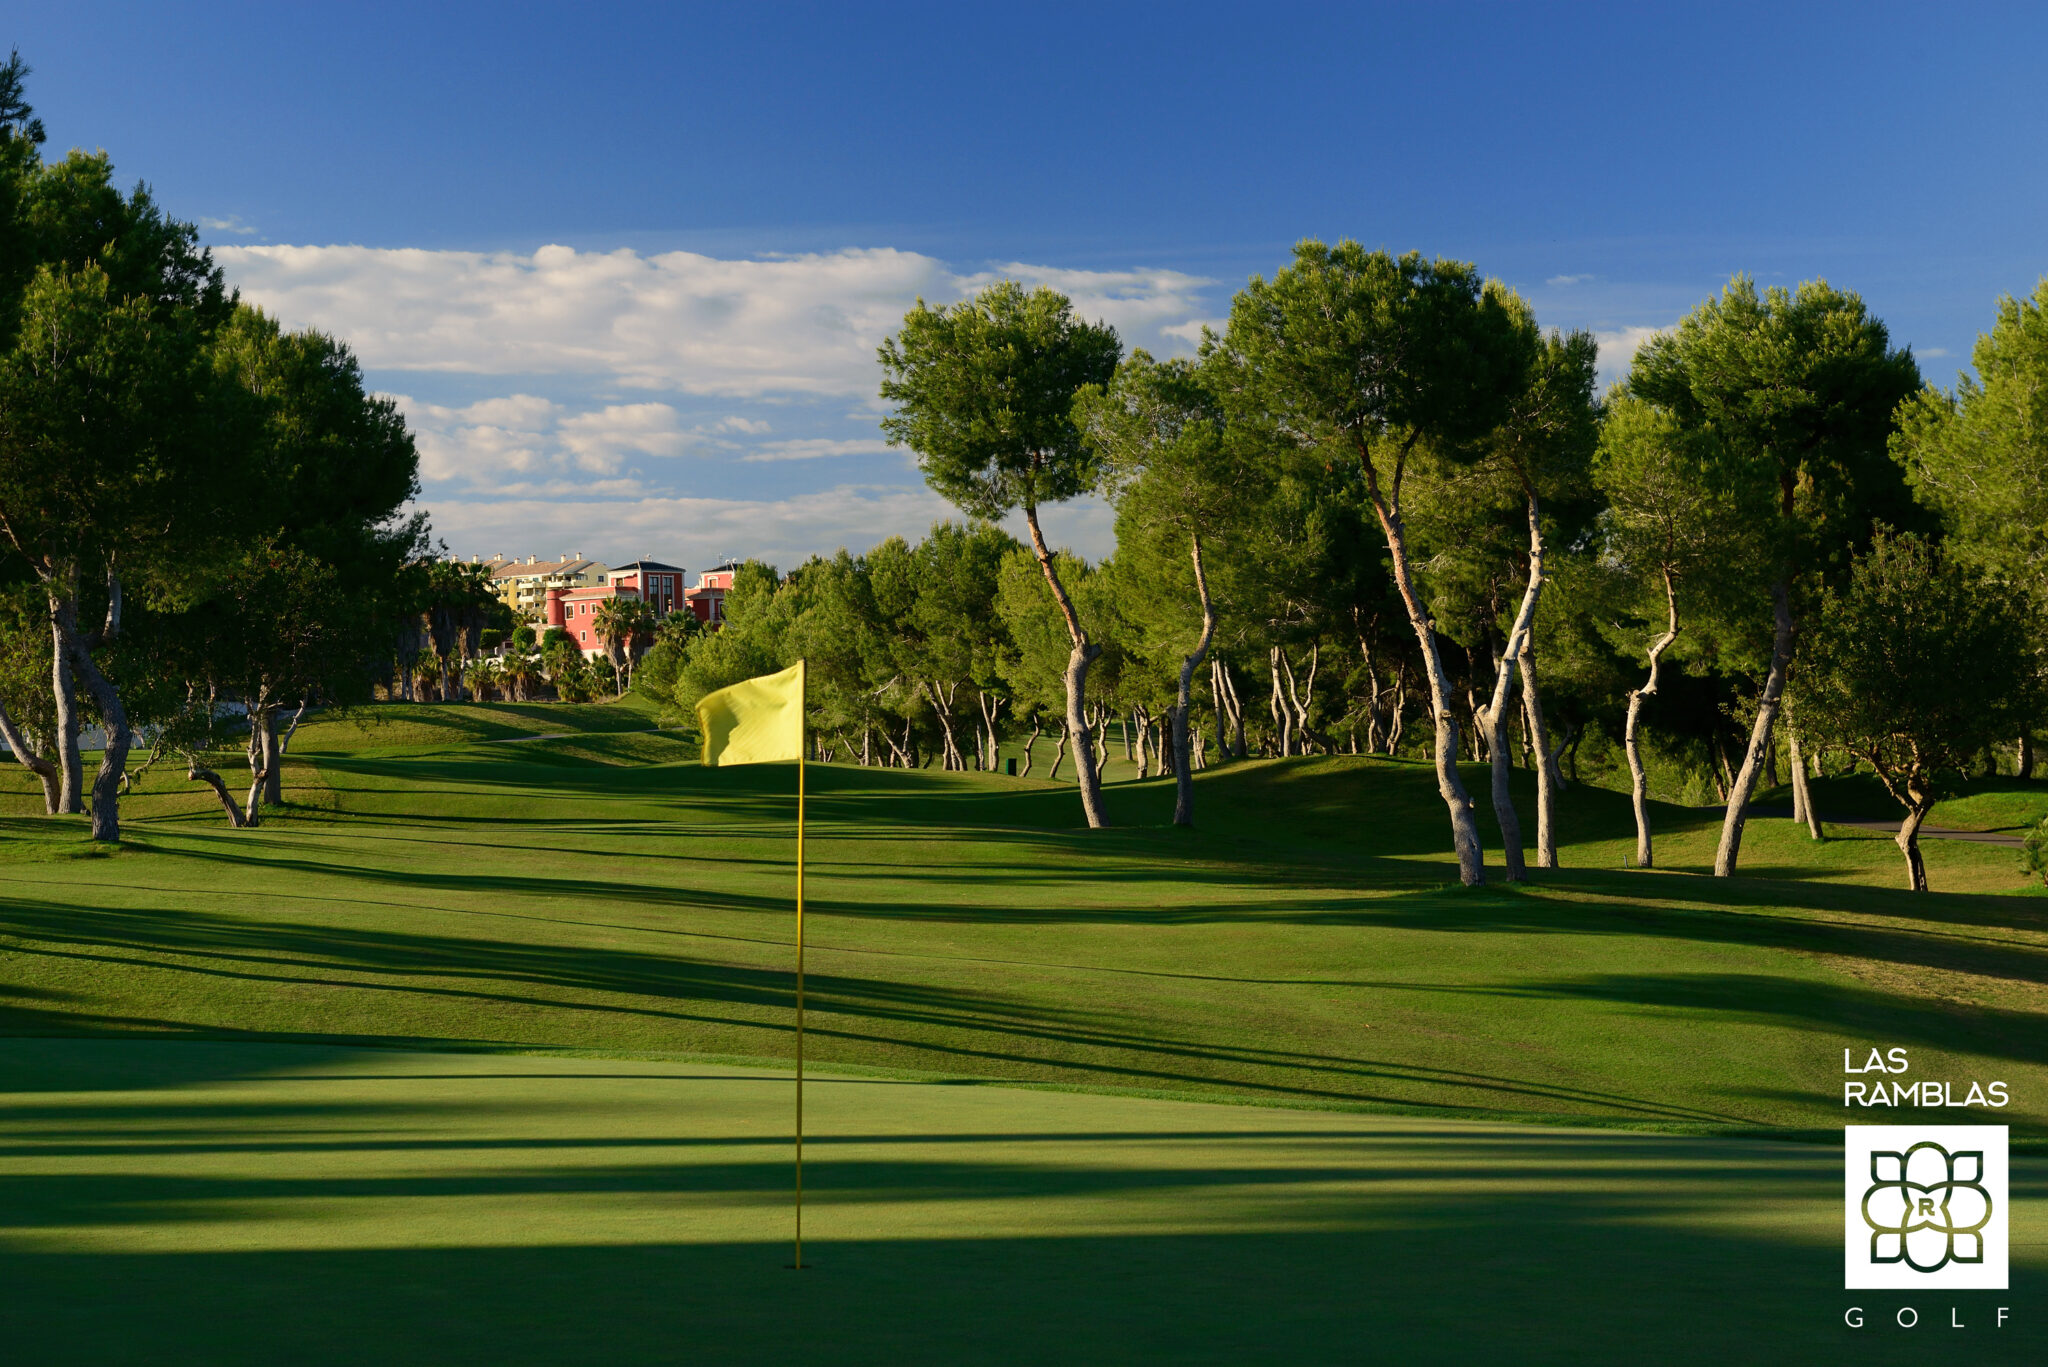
[181,1182]
[223,1204]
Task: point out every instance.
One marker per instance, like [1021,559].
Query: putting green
[211,1202]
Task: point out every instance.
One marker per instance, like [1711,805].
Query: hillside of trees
[1381,510]
[1384,512]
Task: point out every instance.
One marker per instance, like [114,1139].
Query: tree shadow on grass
[1348,1242]
[587,994]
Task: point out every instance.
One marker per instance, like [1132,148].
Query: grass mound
[586,885]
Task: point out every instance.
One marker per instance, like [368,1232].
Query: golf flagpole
[761,721]
[802,700]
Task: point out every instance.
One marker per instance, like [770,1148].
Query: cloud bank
[673,403]
[793,325]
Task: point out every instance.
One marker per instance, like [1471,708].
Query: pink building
[574,610]
[661,585]
[707,600]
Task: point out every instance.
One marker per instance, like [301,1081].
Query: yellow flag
[760,721]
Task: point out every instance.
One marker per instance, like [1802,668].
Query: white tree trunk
[1744,785]
[64,695]
[1450,787]
[1082,655]
[36,764]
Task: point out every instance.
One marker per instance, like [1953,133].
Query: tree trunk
[1184,758]
[1059,753]
[899,753]
[1457,803]
[1083,655]
[106,783]
[260,722]
[942,705]
[1283,716]
[1473,707]
[1631,735]
[278,746]
[991,705]
[1236,705]
[1298,701]
[1798,788]
[1492,716]
[1802,790]
[2023,758]
[1548,779]
[1036,726]
[1760,735]
[251,808]
[1372,702]
[1908,840]
[1487,721]
[43,769]
[1216,698]
[198,774]
[1135,726]
[64,694]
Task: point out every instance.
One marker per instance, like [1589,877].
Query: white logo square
[1925,1206]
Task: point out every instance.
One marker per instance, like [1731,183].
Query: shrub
[2034,853]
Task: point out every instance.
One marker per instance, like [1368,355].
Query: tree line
[202,525]
[1383,511]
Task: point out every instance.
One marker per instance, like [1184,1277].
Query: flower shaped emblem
[1926,1207]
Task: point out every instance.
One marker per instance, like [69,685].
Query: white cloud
[502,445]
[695,532]
[1562,280]
[231,224]
[750,426]
[1618,348]
[806,324]
[1191,331]
[817,448]
[1933,351]
[599,441]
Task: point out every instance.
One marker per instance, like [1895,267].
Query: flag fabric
[760,721]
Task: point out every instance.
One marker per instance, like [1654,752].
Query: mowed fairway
[196,1169]
[206,1202]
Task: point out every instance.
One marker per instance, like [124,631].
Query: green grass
[414,726]
[227,1203]
[1982,804]
[178,1122]
[1305,946]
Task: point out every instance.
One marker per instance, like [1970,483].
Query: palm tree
[517,672]
[617,621]
[479,676]
[457,601]
[426,671]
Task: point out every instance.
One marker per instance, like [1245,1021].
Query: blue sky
[626,265]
